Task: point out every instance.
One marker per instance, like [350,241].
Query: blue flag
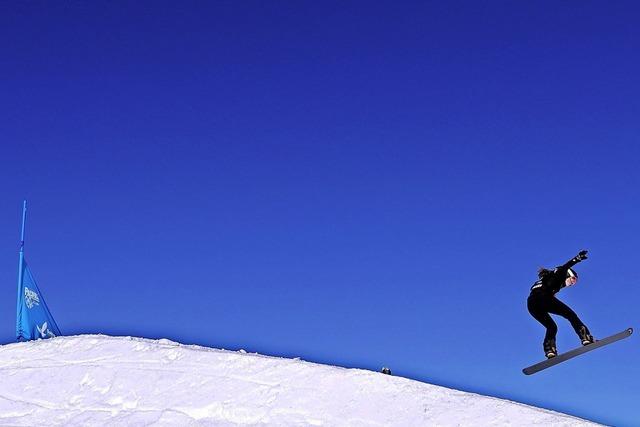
[34,320]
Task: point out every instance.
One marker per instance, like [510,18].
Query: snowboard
[576,352]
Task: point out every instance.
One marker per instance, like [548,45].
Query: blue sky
[355,184]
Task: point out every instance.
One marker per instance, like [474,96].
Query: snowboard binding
[585,336]
[550,349]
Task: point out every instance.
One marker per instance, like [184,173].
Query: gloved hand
[581,255]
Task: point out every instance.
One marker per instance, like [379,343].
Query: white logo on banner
[44,331]
[31,298]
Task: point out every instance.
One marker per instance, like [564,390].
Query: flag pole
[20,267]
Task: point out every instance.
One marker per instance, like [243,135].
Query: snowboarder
[542,302]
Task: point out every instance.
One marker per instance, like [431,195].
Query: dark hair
[543,272]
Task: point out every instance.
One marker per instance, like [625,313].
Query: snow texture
[97,380]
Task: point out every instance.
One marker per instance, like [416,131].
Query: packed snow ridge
[101,380]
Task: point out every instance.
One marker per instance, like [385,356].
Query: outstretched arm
[582,255]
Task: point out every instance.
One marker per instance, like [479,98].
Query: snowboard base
[576,352]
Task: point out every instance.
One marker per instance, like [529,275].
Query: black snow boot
[585,336]
[550,349]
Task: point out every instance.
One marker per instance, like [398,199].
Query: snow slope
[101,380]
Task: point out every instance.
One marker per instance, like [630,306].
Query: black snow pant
[540,304]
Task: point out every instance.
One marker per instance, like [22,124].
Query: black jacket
[551,281]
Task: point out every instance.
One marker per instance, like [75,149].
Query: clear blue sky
[358,184]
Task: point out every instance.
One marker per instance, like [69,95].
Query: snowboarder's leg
[561,309]
[549,343]
[537,310]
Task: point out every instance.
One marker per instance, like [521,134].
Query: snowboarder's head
[543,272]
[572,277]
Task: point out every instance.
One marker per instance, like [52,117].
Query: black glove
[581,255]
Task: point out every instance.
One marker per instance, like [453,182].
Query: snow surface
[106,381]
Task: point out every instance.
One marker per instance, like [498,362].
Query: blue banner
[34,320]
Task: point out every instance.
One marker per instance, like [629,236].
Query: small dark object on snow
[386,370]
